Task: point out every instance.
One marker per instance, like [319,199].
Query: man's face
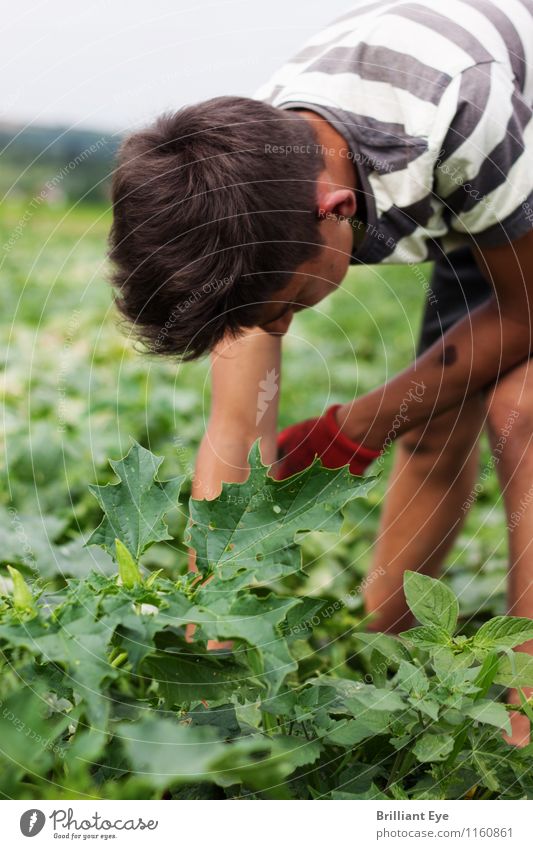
[314,279]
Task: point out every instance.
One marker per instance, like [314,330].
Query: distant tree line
[59,163]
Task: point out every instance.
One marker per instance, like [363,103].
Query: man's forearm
[470,356]
[224,458]
[245,377]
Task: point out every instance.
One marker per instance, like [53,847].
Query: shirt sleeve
[484,171]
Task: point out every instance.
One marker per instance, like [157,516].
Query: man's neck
[335,149]
[340,167]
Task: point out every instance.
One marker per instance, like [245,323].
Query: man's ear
[335,202]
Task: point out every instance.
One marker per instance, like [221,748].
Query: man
[398,134]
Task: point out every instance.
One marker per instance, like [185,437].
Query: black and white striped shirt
[435,102]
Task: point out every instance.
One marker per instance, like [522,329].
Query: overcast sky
[116,63]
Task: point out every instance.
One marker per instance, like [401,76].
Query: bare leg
[434,472]
[510,416]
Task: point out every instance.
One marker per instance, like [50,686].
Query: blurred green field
[75,389]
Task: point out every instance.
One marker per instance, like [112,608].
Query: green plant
[104,693]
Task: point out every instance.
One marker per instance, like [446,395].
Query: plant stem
[269,722]
[395,771]
[519,708]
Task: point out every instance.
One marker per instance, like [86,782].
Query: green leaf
[427,637]
[433,747]
[390,647]
[85,748]
[297,751]
[22,594]
[222,717]
[431,601]
[515,671]
[504,632]
[447,664]
[485,676]
[254,620]
[353,731]
[134,632]
[259,763]
[376,698]
[427,706]
[135,508]
[528,710]
[411,678]
[493,760]
[489,713]
[166,753]
[187,679]
[301,619]
[373,793]
[28,734]
[284,704]
[30,543]
[81,647]
[128,571]
[251,526]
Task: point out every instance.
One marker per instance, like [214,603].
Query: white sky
[116,63]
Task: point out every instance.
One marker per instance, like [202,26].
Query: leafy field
[102,671]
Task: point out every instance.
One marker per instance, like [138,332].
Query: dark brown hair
[214,207]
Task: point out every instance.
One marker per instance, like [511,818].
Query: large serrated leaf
[251,526]
[504,632]
[431,601]
[135,508]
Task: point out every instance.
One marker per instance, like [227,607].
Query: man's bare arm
[245,379]
[472,355]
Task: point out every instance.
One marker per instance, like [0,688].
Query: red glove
[299,444]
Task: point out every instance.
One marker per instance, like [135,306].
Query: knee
[510,420]
[422,442]
[444,445]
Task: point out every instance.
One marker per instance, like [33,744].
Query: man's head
[224,217]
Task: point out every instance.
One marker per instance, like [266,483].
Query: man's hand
[299,444]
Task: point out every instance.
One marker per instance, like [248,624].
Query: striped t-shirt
[435,102]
